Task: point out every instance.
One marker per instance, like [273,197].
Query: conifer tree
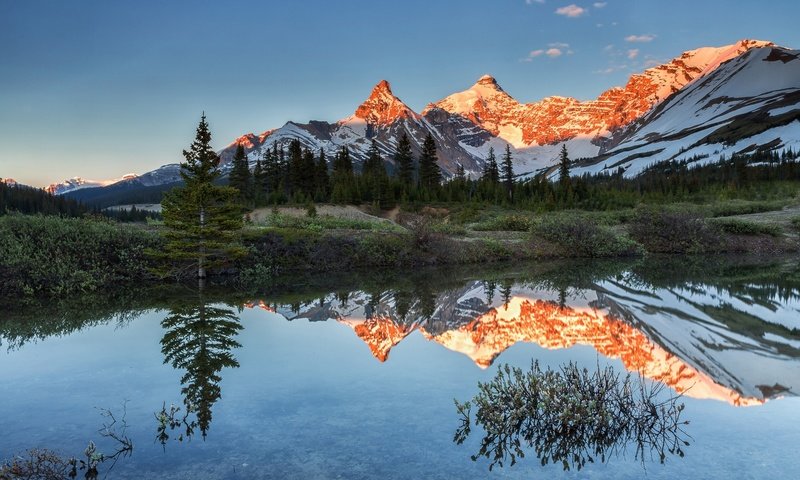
[344,190]
[564,182]
[491,172]
[202,220]
[508,172]
[321,178]
[240,175]
[260,187]
[429,174]
[404,162]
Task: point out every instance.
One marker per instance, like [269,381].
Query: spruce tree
[202,220]
[429,174]
[260,181]
[240,175]
[564,182]
[491,172]
[508,172]
[321,178]
[344,190]
[404,162]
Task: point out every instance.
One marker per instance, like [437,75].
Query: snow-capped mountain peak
[78,183]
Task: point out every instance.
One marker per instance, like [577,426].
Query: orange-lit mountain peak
[248,141]
[260,304]
[380,333]
[383,107]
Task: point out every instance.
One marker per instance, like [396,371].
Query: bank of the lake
[46,255]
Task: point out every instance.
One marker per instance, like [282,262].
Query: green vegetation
[29,200]
[664,231]
[59,256]
[744,227]
[319,223]
[578,237]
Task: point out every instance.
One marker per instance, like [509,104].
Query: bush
[582,238]
[745,227]
[505,223]
[745,207]
[662,231]
[795,222]
[318,223]
[52,255]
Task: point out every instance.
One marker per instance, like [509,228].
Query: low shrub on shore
[738,226]
[505,223]
[582,238]
[664,231]
[53,255]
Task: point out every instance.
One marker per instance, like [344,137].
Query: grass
[738,226]
[320,223]
[578,237]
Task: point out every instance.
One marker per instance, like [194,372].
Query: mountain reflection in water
[730,338]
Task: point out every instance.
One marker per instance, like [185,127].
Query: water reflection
[198,338]
[700,332]
[571,416]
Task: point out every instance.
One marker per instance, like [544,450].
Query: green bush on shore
[505,223]
[582,238]
[738,226]
[668,231]
[53,255]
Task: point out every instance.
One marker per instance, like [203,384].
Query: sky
[98,89]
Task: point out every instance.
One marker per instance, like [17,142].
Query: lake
[355,375]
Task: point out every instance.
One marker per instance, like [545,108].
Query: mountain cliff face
[700,106]
[688,347]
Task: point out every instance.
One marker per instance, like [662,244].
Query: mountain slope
[749,102]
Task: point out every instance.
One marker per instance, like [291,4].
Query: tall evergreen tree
[240,178]
[491,172]
[260,185]
[564,182]
[202,220]
[321,178]
[404,162]
[429,173]
[344,189]
[508,172]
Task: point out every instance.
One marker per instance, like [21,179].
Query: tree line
[298,175]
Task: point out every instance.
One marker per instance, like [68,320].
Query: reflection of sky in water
[310,401]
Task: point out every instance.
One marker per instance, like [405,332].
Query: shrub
[664,231]
[738,226]
[582,238]
[505,223]
[795,222]
[53,255]
[744,207]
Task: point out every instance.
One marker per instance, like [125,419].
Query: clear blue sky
[101,88]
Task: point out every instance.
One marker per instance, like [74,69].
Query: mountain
[705,104]
[8,181]
[382,117]
[749,102]
[78,183]
[675,335]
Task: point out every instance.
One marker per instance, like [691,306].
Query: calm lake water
[355,376]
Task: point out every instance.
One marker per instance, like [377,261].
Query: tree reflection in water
[198,338]
[572,416]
